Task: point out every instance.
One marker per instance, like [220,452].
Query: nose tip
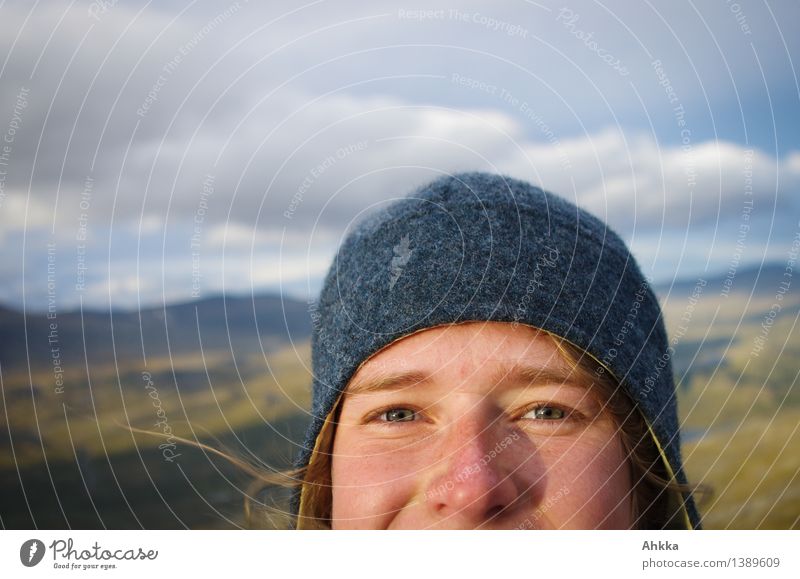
[474,487]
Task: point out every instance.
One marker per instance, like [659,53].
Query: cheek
[590,479]
[371,483]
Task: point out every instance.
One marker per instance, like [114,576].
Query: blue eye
[398,415]
[545,413]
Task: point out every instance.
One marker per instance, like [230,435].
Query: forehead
[466,349]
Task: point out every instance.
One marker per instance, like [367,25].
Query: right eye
[397,415]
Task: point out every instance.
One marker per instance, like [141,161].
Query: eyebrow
[519,373]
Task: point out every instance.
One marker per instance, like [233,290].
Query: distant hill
[760,281]
[235,324]
[67,458]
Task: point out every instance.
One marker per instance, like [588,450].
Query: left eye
[545,413]
[398,415]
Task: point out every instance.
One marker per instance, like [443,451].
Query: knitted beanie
[482,247]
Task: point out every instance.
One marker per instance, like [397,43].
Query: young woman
[488,355]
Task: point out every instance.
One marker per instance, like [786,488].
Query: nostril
[494,512]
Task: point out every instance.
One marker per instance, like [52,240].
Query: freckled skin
[474,457]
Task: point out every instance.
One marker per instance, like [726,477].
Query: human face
[475,425]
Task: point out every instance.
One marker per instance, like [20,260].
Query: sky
[162,152]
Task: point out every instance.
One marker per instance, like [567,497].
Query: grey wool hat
[484,247]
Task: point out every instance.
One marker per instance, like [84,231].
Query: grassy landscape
[80,465]
[740,408]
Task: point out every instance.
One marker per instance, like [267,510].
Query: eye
[397,415]
[545,413]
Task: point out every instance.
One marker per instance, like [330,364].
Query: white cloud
[19,211]
[632,181]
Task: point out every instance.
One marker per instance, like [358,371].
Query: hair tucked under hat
[482,247]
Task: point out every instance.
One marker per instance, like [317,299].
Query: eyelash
[569,414]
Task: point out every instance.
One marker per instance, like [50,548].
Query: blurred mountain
[228,371]
[756,280]
[236,324]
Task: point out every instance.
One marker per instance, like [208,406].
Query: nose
[475,481]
